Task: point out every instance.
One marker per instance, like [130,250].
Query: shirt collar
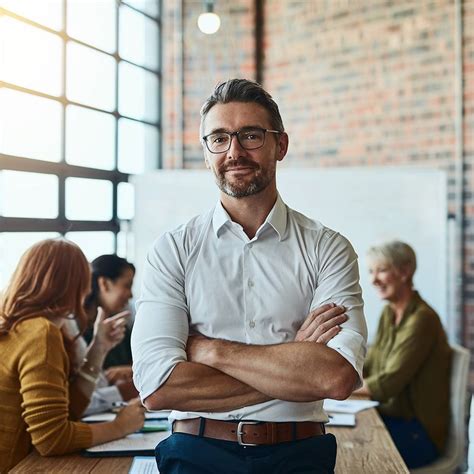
[277,218]
[220,218]
[415,300]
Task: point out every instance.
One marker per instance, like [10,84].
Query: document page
[341,419]
[132,442]
[144,465]
[348,406]
[109,416]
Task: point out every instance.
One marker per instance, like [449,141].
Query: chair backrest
[455,446]
[459,380]
[470,452]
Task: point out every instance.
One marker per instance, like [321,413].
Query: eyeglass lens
[250,139]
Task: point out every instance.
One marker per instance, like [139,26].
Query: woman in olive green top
[407,369]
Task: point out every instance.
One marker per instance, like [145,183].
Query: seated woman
[407,369]
[38,402]
[111,289]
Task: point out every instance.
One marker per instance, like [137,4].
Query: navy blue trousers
[188,454]
[412,441]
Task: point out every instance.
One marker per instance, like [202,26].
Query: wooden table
[365,449]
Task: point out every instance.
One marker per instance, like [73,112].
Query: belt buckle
[240,432]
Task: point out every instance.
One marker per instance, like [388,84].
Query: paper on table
[341,419]
[109,416]
[143,465]
[132,442]
[348,406]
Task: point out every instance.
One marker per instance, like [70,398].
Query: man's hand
[322,324]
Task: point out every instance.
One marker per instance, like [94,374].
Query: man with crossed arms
[251,314]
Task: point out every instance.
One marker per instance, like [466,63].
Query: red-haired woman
[39,398]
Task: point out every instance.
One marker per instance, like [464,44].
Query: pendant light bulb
[209,22]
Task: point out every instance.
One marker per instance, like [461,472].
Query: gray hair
[396,253]
[242,90]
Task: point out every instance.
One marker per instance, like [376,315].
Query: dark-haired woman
[111,289]
[48,288]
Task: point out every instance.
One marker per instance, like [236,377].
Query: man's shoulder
[187,231]
[310,225]
[194,224]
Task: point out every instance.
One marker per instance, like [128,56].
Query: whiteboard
[368,206]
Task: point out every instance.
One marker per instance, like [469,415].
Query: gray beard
[257,185]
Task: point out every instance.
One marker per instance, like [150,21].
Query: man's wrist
[219,352]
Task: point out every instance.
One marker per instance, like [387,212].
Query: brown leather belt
[249,433]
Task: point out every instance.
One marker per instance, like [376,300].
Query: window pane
[90,77]
[150,7]
[138,38]
[138,147]
[93,244]
[90,138]
[138,93]
[28,194]
[126,201]
[46,12]
[93,22]
[12,246]
[88,199]
[30,126]
[125,244]
[30,57]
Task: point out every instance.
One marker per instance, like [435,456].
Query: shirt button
[252,324]
[250,284]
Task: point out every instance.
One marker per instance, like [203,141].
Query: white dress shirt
[208,277]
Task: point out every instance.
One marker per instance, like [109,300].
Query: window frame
[64,170]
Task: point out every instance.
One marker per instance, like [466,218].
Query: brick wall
[370,81]
[373,85]
[468,75]
[205,61]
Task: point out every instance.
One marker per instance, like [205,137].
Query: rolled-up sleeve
[338,282]
[160,331]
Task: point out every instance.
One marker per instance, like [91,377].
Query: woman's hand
[119,372]
[131,418]
[108,332]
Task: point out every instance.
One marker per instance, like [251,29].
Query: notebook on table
[135,444]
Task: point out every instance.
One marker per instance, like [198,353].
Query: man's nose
[236,149]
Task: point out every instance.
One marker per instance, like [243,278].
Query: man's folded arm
[294,371]
[164,377]
[196,387]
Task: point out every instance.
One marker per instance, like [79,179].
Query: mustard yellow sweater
[35,408]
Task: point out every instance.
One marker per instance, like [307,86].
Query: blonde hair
[51,280]
[396,253]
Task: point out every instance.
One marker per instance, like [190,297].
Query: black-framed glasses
[250,138]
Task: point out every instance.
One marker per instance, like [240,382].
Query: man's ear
[283,142]
[208,166]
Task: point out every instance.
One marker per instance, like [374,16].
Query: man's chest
[251,292]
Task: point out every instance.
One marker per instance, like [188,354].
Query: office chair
[470,450]
[453,456]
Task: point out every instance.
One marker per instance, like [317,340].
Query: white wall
[366,205]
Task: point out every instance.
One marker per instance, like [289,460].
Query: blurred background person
[40,396]
[111,290]
[407,369]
